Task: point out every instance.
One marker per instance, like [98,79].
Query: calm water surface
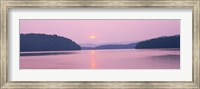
[102,59]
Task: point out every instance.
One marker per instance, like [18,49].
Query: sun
[92,37]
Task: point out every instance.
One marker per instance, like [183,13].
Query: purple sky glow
[105,31]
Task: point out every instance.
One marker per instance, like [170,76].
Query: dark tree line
[43,42]
[161,42]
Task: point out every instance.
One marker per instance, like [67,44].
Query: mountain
[160,42]
[92,45]
[88,45]
[43,42]
[116,46]
[112,46]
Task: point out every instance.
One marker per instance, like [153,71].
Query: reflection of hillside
[46,53]
[43,42]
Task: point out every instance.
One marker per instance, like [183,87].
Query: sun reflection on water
[93,59]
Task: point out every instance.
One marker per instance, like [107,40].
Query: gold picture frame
[4,44]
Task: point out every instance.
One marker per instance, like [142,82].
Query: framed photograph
[104,44]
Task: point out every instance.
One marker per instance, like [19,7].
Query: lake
[102,59]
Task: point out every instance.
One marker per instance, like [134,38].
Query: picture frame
[4,44]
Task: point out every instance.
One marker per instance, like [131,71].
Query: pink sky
[105,31]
